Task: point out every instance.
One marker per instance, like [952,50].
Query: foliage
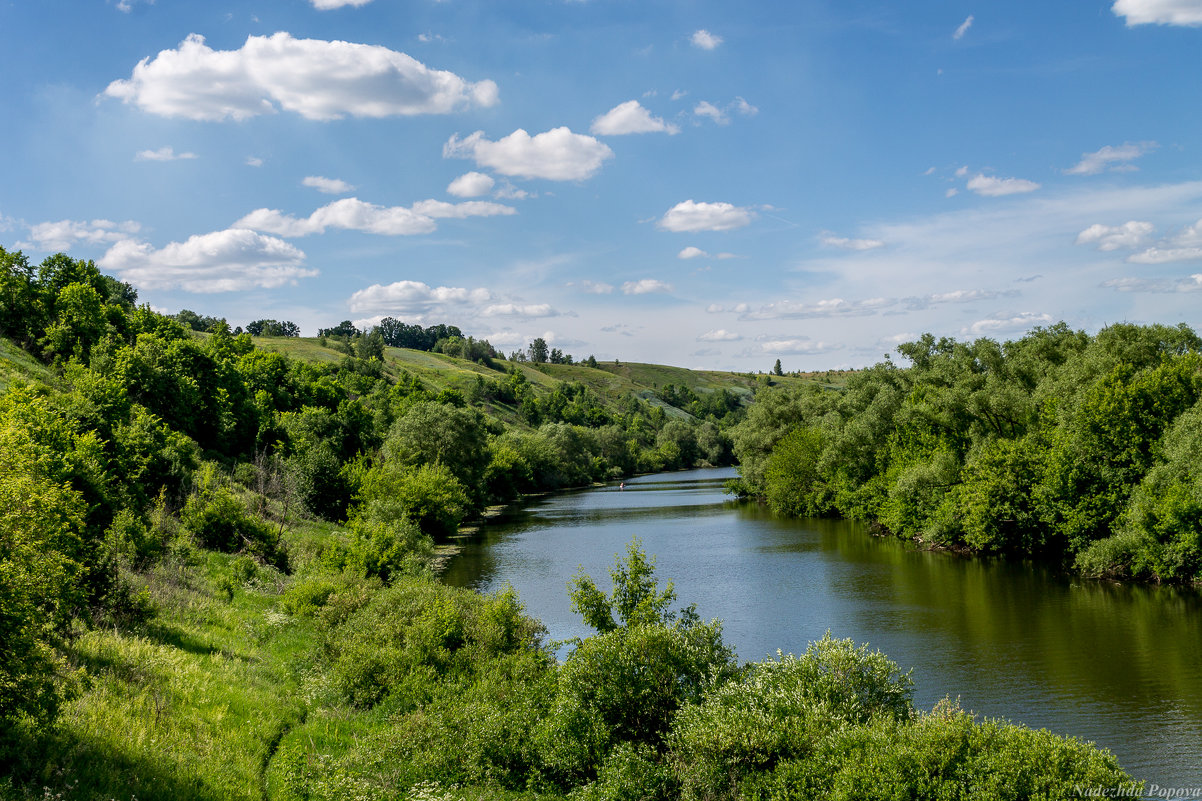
[1060,445]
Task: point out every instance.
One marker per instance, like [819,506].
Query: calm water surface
[1121,666]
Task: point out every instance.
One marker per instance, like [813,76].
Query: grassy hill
[612,382]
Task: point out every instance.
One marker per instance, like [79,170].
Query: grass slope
[611,381]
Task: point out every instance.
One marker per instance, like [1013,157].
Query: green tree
[538,350]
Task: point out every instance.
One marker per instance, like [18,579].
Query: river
[1118,665]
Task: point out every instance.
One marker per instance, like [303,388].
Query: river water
[1118,665]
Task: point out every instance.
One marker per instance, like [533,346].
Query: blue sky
[702,183]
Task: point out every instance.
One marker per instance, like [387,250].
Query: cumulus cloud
[415,299]
[1161,12]
[162,154]
[963,29]
[1021,321]
[705,40]
[353,214]
[645,286]
[525,310]
[630,118]
[1185,245]
[556,155]
[991,186]
[596,287]
[719,335]
[233,260]
[850,244]
[65,234]
[330,186]
[254,161]
[318,79]
[1130,234]
[326,5]
[471,184]
[1111,158]
[690,216]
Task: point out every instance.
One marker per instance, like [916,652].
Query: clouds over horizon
[353,214]
[62,235]
[554,155]
[318,79]
[415,299]
[232,260]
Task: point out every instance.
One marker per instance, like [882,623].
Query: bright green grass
[192,705]
[17,365]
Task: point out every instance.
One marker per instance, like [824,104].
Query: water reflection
[1114,664]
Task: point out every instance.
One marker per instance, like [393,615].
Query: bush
[783,709]
[406,639]
[217,519]
[625,686]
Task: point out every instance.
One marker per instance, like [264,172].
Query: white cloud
[414,298]
[471,184]
[705,40]
[708,109]
[691,253]
[630,118]
[526,310]
[722,115]
[1191,283]
[162,154]
[961,171]
[330,186]
[65,234]
[320,80]
[1021,321]
[952,192]
[1166,255]
[1130,234]
[1186,245]
[507,191]
[719,335]
[963,29]
[691,216]
[556,155]
[679,94]
[353,214]
[645,286]
[233,260]
[326,5]
[800,346]
[990,186]
[1115,159]
[832,307]
[851,244]
[254,161]
[597,288]
[440,209]
[1161,12]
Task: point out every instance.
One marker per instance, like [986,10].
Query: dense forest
[217,579]
[1085,450]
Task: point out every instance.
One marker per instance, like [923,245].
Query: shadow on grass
[56,764]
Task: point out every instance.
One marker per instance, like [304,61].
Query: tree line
[1076,449]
